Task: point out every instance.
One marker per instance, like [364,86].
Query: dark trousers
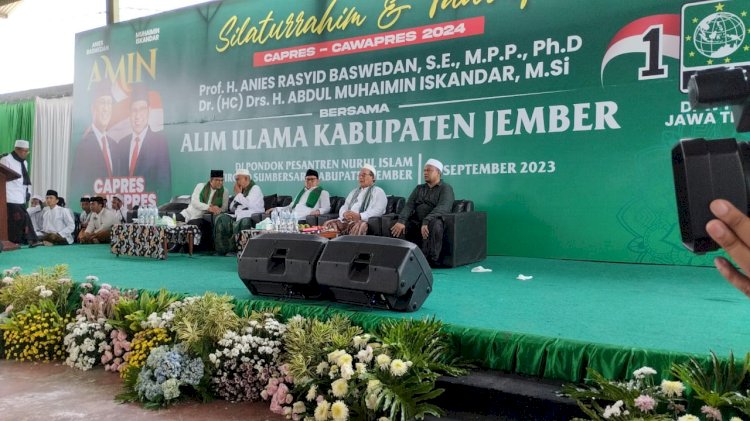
[433,244]
[207,231]
[20,228]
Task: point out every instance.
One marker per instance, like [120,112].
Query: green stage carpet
[571,314]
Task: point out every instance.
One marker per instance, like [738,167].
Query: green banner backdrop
[556,117]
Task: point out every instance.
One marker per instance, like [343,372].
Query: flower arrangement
[87,337]
[131,313]
[337,372]
[84,342]
[115,350]
[244,362]
[167,370]
[18,291]
[202,321]
[143,342]
[713,390]
[35,334]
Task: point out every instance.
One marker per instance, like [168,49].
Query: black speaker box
[282,265]
[375,271]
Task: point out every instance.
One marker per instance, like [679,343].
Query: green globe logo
[719,35]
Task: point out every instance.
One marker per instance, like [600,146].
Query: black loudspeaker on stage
[375,271]
[370,271]
[282,265]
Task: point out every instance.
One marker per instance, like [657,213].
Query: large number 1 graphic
[654,68]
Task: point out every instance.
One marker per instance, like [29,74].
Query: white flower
[311,393]
[672,389]
[322,367]
[321,411]
[347,372]
[613,410]
[62,281]
[688,417]
[45,293]
[398,367]
[298,408]
[40,288]
[365,355]
[86,285]
[344,359]
[339,411]
[7,280]
[643,372]
[339,388]
[384,361]
[735,419]
[92,278]
[333,357]
[105,286]
[360,368]
[373,385]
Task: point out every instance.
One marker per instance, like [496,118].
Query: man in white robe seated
[57,222]
[364,202]
[248,200]
[119,210]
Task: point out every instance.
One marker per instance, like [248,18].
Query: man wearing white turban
[366,201]
[20,227]
[419,221]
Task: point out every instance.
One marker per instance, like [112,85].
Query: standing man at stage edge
[20,228]
[419,221]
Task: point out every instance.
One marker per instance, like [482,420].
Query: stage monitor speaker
[375,271]
[282,265]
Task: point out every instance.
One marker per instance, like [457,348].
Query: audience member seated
[210,198]
[365,201]
[119,210]
[35,210]
[419,221]
[83,218]
[311,200]
[100,223]
[248,200]
[57,222]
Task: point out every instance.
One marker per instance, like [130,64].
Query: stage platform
[570,315]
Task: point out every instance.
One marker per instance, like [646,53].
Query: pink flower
[645,403]
[711,412]
[107,357]
[89,297]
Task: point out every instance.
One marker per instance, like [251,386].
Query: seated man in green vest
[311,200]
[210,197]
